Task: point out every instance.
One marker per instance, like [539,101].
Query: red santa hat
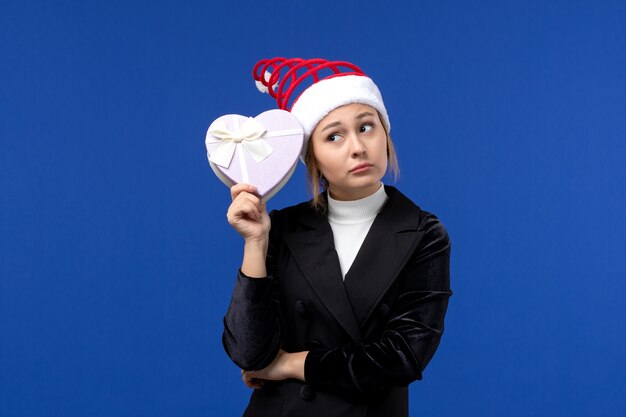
[322,86]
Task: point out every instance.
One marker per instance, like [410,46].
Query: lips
[361,167]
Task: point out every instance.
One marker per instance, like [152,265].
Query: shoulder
[435,239]
[291,213]
[294,218]
[406,215]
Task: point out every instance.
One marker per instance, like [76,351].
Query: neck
[350,195]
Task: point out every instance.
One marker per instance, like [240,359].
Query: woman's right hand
[247,214]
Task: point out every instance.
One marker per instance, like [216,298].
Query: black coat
[368,337]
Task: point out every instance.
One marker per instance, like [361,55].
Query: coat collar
[391,240]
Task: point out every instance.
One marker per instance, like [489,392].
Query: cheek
[326,159]
[326,168]
[382,151]
[320,164]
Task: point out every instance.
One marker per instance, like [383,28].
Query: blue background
[116,261]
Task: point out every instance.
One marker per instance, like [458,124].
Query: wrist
[256,244]
[295,365]
[254,254]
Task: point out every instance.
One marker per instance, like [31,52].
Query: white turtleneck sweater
[350,222]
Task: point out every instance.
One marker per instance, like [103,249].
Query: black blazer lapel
[389,244]
[314,252]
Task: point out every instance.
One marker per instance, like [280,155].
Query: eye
[334,137]
[366,127]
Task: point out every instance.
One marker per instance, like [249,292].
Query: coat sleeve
[411,335]
[253,329]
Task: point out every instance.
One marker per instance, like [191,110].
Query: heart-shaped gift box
[262,151]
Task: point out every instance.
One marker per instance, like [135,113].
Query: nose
[357,146]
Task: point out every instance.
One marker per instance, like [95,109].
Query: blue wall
[116,261]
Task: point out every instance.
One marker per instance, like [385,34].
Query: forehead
[346,112]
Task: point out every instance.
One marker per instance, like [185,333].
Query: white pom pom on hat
[263,87]
[345,85]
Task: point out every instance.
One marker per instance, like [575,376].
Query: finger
[257,383]
[244,198]
[246,380]
[244,208]
[250,381]
[245,203]
[237,189]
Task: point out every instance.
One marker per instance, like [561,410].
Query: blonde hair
[317,183]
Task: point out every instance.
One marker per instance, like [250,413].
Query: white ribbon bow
[248,135]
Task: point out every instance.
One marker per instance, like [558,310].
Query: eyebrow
[364,114]
[360,116]
[331,125]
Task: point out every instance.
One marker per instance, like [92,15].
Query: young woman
[340,302]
